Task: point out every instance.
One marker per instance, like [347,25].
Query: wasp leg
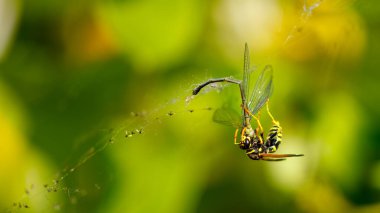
[259,133]
[243,132]
[257,119]
[250,152]
[274,137]
[253,151]
[235,135]
[274,121]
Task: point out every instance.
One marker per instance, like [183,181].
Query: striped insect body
[274,138]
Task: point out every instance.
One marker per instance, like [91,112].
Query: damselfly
[252,139]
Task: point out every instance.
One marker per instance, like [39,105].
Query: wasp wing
[227,116]
[278,157]
[262,90]
[273,159]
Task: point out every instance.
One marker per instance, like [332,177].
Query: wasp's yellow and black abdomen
[274,138]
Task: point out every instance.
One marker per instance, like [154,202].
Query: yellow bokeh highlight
[23,170]
[330,29]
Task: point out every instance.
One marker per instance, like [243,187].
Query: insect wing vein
[227,116]
[246,72]
[262,90]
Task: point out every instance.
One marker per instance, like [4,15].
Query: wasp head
[245,143]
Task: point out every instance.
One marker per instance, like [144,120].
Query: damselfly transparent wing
[262,90]
[227,116]
[246,73]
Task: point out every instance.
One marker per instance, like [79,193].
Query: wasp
[252,140]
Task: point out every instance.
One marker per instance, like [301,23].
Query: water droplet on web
[138,124]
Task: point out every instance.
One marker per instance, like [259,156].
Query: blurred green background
[76,75]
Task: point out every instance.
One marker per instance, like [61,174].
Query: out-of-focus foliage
[77,77]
